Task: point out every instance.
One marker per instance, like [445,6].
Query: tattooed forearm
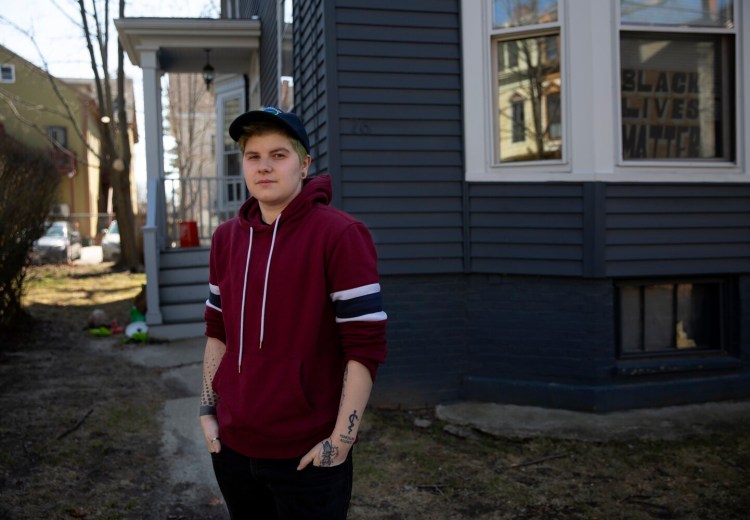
[211,360]
[346,439]
[329,453]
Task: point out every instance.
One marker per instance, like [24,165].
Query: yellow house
[62,117]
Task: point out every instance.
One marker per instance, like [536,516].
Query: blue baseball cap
[286,120]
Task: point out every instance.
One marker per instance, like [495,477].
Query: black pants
[269,489]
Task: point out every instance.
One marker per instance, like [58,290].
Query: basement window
[671,317]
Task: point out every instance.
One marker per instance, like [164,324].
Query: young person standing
[296,331]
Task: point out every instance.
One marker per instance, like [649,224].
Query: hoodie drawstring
[265,283]
[265,291]
[244,294]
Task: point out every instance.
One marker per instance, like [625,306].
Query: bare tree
[115,154]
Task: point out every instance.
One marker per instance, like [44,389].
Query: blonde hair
[265,128]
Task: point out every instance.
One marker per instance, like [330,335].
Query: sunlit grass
[65,292]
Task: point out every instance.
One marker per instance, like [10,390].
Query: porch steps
[183,289]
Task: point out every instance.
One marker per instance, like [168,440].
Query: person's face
[273,171]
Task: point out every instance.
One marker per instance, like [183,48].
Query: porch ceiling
[181,43]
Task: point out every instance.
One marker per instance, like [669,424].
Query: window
[525,36]
[232,158]
[554,120]
[671,317]
[519,127]
[7,73]
[614,90]
[58,135]
[677,85]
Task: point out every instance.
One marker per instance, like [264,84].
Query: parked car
[60,243]
[111,242]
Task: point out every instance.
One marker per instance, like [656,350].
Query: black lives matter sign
[660,114]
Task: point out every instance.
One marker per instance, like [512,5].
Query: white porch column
[152,112]
[153,230]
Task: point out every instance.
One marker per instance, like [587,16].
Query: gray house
[559,191]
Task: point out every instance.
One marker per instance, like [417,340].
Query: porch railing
[206,201]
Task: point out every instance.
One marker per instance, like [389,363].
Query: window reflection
[512,13]
[529,118]
[700,13]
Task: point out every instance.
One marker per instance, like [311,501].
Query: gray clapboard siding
[383,14]
[403,110]
[403,174]
[415,7]
[527,228]
[269,48]
[386,119]
[677,229]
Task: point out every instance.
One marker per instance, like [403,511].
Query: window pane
[676,97]
[58,134]
[716,13]
[7,73]
[231,111]
[698,316]
[553,116]
[658,318]
[630,319]
[234,192]
[512,13]
[528,87]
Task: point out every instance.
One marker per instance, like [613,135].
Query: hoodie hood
[315,190]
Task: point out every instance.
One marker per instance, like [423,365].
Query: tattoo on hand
[352,418]
[330,452]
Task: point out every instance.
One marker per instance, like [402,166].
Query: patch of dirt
[81,432]
[81,437]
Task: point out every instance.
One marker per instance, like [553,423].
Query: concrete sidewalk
[673,422]
[191,475]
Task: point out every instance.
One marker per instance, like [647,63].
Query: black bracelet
[207,410]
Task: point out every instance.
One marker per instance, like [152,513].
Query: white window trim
[589,104]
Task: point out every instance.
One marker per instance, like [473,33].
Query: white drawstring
[244,294]
[265,283]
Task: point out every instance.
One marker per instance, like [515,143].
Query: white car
[60,243]
[111,243]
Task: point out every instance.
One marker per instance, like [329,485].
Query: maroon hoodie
[293,301]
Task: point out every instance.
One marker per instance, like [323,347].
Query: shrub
[28,184]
